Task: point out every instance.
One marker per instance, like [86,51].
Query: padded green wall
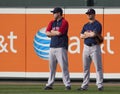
[52,3]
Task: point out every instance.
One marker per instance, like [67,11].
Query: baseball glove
[99,39]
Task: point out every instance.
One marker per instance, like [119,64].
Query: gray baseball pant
[58,55]
[92,53]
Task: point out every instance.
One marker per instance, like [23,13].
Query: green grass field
[58,89]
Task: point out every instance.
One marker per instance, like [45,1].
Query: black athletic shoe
[48,88]
[100,89]
[68,88]
[82,89]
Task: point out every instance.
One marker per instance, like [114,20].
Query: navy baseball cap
[90,11]
[57,9]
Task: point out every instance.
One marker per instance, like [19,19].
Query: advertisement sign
[24,46]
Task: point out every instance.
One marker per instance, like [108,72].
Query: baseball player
[57,30]
[92,50]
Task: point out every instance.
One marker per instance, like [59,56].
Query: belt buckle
[91,44]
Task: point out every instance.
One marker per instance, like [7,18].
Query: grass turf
[58,89]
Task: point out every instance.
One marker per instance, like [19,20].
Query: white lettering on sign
[3,45]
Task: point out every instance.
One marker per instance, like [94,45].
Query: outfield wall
[24,47]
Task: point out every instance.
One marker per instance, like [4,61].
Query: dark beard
[56,18]
[91,18]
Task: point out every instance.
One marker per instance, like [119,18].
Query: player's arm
[49,31]
[62,30]
[88,34]
[96,31]
[56,33]
[50,34]
[85,35]
[92,34]
[53,33]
